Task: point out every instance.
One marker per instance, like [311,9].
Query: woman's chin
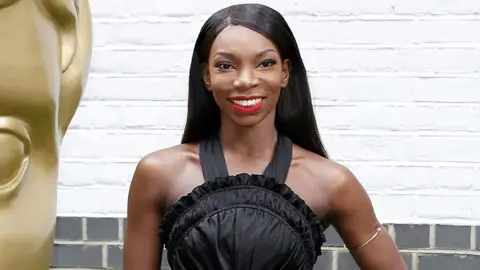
[247,120]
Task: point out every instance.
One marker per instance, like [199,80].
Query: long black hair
[294,115]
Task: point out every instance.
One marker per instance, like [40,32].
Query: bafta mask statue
[45,51]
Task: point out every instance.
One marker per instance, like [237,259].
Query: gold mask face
[45,51]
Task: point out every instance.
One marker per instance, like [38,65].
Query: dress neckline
[212,159]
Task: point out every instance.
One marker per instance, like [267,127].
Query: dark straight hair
[294,115]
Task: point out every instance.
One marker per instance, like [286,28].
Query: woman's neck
[249,142]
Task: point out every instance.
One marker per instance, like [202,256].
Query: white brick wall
[396,85]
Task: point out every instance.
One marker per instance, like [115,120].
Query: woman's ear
[286,68]
[206,75]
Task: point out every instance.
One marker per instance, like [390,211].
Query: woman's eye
[267,63]
[223,65]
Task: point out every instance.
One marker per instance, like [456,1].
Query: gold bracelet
[369,240]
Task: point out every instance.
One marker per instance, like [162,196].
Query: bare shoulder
[156,171]
[338,191]
[350,211]
[165,161]
[329,174]
[146,204]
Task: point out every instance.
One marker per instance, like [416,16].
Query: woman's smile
[249,104]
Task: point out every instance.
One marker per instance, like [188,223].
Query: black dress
[242,222]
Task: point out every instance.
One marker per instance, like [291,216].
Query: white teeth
[247,103]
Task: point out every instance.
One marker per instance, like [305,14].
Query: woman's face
[245,74]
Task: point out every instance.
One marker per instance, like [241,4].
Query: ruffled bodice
[244,222]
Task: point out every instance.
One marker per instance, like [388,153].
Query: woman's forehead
[242,40]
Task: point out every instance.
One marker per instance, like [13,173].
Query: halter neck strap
[212,159]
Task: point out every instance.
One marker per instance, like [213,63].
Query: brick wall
[96,243]
[397,92]
[396,87]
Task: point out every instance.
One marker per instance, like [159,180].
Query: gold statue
[45,52]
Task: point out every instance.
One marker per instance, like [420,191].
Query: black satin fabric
[242,222]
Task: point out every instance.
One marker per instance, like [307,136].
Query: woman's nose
[246,79]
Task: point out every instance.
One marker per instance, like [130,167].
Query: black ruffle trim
[313,238]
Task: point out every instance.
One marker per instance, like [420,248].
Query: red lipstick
[246,104]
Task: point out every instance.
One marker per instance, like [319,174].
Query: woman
[251,186]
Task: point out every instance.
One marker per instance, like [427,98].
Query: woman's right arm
[142,246]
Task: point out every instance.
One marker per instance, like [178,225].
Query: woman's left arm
[353,216]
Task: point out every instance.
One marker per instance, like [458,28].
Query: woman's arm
[142,246]
[353,216]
